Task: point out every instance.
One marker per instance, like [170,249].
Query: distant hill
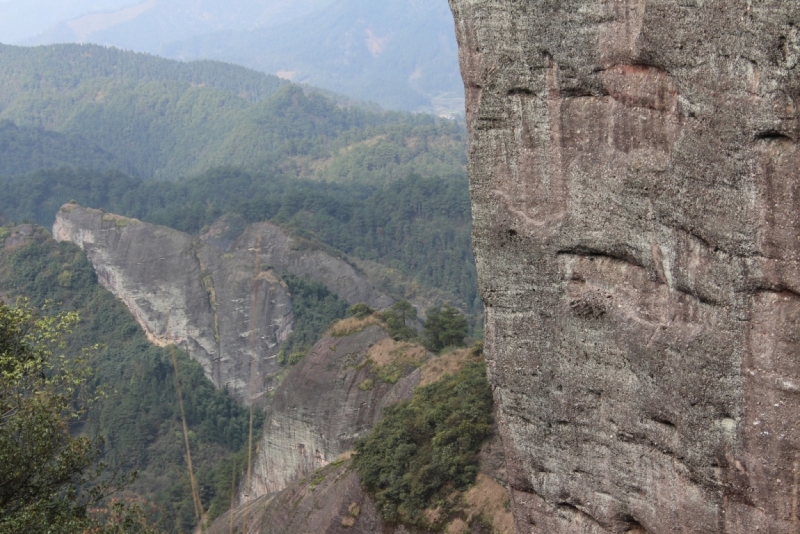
[400,54]
[163,118]
[24,19]
[35,72]
[47,21]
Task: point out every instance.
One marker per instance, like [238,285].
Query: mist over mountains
[400,54]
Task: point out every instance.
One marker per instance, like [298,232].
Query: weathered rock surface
[230,310]
[636,200]
[329,501]
[328,400]
[319,408]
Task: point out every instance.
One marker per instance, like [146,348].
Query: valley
[211,225]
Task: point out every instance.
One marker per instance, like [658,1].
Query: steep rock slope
[230,311]
[330,399]
[634,173]
[318,404]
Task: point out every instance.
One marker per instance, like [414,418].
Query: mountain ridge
[401,54]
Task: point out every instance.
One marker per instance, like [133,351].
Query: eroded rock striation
[635,176]
[229,310]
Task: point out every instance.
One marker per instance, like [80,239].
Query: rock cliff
[331,398]
[636,201]
[229,310]
[302,480]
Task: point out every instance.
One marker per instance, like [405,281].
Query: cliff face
[302,479]
[636,201]
[229,310]
[331,398]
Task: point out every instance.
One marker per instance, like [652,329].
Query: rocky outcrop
[329,501]
[330,399]
[229,310]
[636,200]
[334,396]
[285,253]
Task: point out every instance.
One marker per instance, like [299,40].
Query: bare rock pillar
[635,177]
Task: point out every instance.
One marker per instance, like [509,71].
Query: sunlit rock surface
[229,310]
[635,177]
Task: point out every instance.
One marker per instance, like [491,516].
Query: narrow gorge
[636,201]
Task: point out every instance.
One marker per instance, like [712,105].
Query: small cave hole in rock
[520,91]
[632,525]
[772,135]
[665,422]
[568,507]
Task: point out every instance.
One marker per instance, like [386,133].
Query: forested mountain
[46,72]
[399,53]
[166,119]
[198,147]
[25,149]
[414,233]
[270,142]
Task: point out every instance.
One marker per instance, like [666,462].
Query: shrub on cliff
[424,450]
[445,326]
[397,320]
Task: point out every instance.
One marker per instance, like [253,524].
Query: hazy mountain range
[399,53]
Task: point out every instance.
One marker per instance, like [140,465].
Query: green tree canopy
[397,319]
[425,449]
[445,326]
[42,468]
[48,479]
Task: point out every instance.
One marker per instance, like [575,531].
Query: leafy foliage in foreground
[48,478]
[139,419]
[425,449]
[43,470]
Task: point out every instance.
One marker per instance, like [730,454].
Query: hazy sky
[24,20]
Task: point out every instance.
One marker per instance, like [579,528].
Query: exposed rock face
[230,311]
[636,201]
[331,501]
[331,398]
[317,413]
[285,254]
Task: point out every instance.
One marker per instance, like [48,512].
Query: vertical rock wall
[635,176]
